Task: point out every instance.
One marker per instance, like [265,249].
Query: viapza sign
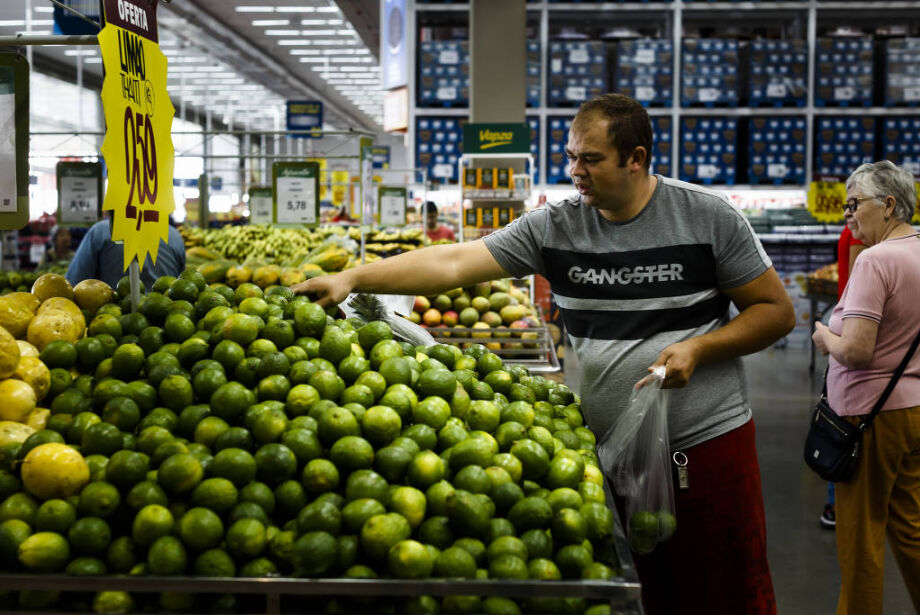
[496,139]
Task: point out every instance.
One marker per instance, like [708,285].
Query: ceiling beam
[276,76]
[364,16]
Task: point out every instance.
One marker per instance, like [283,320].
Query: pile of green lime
[245,432]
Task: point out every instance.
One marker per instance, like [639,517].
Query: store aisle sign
[380,155]
[825,200]
[392,203]
[296,193]
[79,187]
[138,147]
[14,145]
[260,205]
[305,115]
[496,139]
[394,61]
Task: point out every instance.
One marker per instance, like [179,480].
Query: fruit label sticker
[392,206]
[825,200]
[260,205]
[138,146]
[296,193]
[79,192]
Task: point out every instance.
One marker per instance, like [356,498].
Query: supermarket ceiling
[242,59]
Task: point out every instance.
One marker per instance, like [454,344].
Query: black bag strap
[865,424]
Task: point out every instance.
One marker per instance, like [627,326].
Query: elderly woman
[869,333]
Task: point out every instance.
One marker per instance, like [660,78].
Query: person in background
[100,258]
[60,250]
[644,269]
[848,248]
[434,230]
[870,331]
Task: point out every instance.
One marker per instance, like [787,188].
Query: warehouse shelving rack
[803,17]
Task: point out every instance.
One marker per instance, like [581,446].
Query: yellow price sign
[825,201]
[916,218]
[138,146]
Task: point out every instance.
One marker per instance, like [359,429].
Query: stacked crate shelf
[843,72]
[439,142]
[644,71]
[901,142]
[778,73]
[577,72]
[709,148]
[777,150]
[444,74]
[709,72]
[902,72]
[842,143]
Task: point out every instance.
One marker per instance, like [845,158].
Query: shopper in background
[644,269]
[100,258]
[870,331]
[60,250]
[848,248]
[434,230]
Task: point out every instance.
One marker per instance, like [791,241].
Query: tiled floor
[802,556]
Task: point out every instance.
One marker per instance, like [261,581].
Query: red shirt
[442,232]
[843,258]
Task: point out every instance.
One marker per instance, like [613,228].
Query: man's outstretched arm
[419,272]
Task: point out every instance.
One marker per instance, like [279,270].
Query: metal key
[683,474]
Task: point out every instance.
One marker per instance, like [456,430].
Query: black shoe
[828,518]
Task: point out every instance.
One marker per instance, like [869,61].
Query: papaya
[238,275]
[266,276]
[215,271]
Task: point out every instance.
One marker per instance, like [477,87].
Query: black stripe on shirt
[636,274]
[642,324]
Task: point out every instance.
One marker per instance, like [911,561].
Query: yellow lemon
[54,470]
[10,353]
[18,400]
[38,418]
[14,316]
[26,349]
[53,325]
[93,294]
[11,431]
[52,285]
[34,373]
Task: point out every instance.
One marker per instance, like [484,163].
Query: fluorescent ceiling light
[313,60]
[255,9]
[12,22]
[327,9]
[356,69]
[262,23]
[318,33]
[80,52]
[296,9]
[282,32]
[305,52]
[44,9]
[353,60]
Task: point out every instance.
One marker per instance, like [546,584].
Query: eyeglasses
[851,204]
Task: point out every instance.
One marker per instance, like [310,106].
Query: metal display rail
[537,354]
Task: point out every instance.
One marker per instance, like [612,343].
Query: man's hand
[820,337]
[679,361]
[326,290]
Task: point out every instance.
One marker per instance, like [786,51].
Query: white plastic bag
[635,455]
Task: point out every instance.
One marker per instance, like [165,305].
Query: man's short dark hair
[430,208]
[630,126]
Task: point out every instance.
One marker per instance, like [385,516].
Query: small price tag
[707,171]
[576,92]
[392,210]
[449,56]
[645,56]
[578,56]
[260,210]
[776,90]
[296,200]
[79,200]
[444,171]
[555,65]
[911,94]
[36,252]
[447,93]
[844,93]
[709,94]
[645,93]
[777,170]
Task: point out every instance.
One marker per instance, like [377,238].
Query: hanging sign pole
[138,146]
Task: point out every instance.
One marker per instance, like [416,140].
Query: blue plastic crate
[901,142]
[708,153]
[842,143]
[844,72]
[443,79]
[438,146]
[776,150]
[709,72]
[534,123]
[644,71]
[902,72]
[577,72]
[778,73]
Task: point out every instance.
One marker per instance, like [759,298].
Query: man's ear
[638,157]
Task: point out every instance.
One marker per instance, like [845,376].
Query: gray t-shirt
[628,290]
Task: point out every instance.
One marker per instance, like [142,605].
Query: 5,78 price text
[297,206]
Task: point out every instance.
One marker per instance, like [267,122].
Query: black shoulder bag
[832,444]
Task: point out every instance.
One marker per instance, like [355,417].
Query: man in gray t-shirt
[644,269]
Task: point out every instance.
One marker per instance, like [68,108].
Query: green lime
[236,465]
[44,552]
[127,468]
[89,535]
[145,493]
[120,556]
[275,463]
[55,516]
[318,476]
[246,538]
[215,563]
[167,556]
[352,453]
[99,499]
[230,400]
[180,473]
[59,353]
[200,529]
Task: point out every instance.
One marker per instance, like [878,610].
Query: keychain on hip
[683,474]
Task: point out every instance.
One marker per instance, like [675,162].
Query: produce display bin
[537,353]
